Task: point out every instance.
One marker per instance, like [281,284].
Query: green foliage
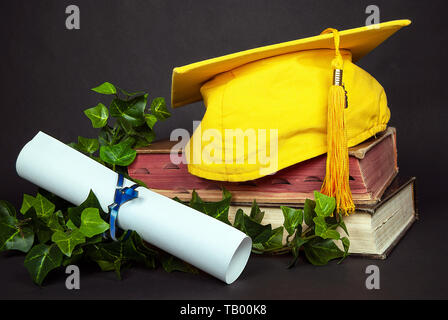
[259,233]
[116,255]
[105,88]
[308,212]
[43,207]
[68,240]
[218,210]
[317,238]
[98,115]
[171,263]
[74,213]
[27,203]
[125,125]
[132,111]
[325,205]
[311,229]
[292,218]
[87,145]
[255,213]
[159,109]
[41,259]
[55,235]
[320,251]
[91,223]
[119,154]
[14,235]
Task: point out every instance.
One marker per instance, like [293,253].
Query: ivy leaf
[239,220]
[59,203]
[130,94]
[74,213]
[88,145]
[261,235]
[113,255]
[13,237]
[255,213]
[320,251]
[296,244]
[257,232]
[332,234]
[54,221]
[41,259]
[27,203]
[159,109]
[67,241]
[39,226]
[128,141]
[108,256]
[226,194]
[105,88]
[120,154]
[43,234]
[346,244]
[126,126]
[257,248]
[22,240]
[321,226]
[140,245]
[74,258]
[322,230]
[131,253]
[150,120]
[308,212]
[93,240]
[98,115]
[91,223]
[132,110]
[43,207]
[275,239]
[70,225]
[325,205]
[292,218]
[144,137]
[106,136]
[218,210]
[7,213]
[149,254]
[171,263]
[109,266]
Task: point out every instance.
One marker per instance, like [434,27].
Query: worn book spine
[373,165]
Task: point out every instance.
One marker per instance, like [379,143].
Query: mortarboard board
[309,90]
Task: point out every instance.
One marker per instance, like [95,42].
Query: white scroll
[190,235]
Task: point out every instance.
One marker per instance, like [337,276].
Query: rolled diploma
[190,235]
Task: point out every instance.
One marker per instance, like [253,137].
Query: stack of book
[385,203]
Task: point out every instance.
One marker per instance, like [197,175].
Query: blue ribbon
[122,195]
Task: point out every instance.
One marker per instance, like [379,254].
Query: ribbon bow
[122,195]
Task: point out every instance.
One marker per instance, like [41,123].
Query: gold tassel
[336,181]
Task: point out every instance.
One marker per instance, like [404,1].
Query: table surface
[416,268]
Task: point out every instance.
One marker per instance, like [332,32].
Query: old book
[374,229]
[373,165]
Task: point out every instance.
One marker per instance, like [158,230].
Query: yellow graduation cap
[302,98]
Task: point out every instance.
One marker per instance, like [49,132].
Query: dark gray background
[47,71]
